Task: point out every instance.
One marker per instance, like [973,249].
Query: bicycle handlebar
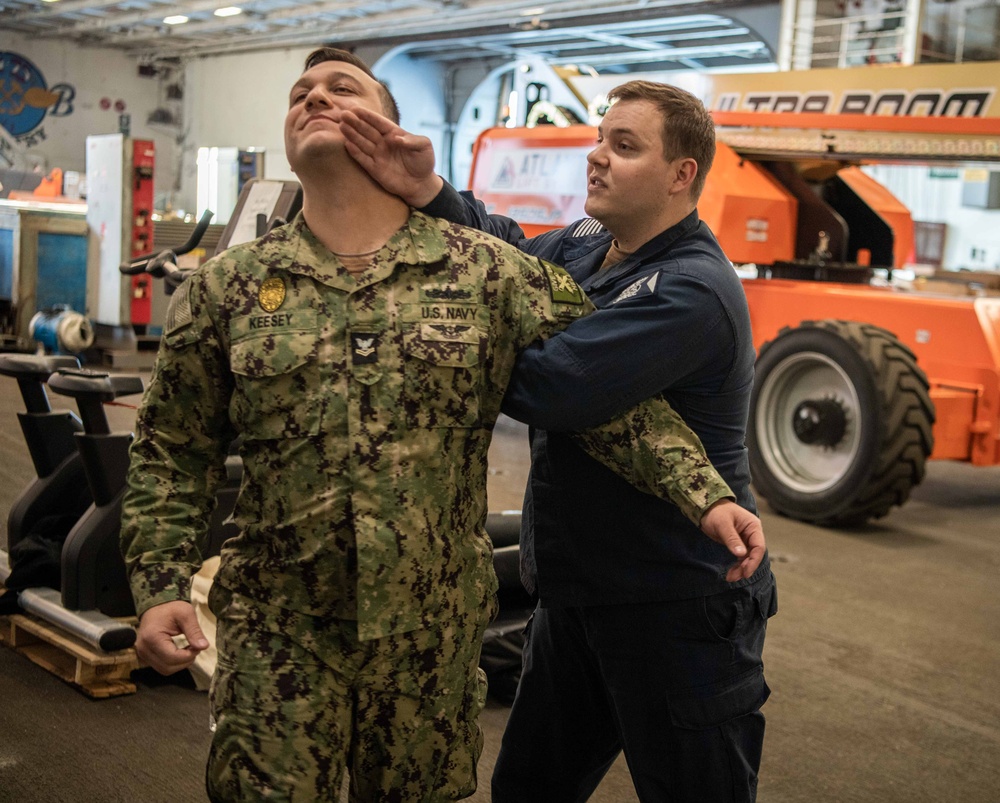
[141,264]
[162,266]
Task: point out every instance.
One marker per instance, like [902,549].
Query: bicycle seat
[83,383]
[35,366]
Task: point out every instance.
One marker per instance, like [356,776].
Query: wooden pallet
[95,673]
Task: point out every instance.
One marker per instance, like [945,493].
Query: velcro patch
[644,286]
[430,293]
[562,288]
[449,333]
[448,312]
[285,322]
[179,312]
[364,348]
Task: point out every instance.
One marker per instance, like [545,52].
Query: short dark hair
[318,56]
[688,128]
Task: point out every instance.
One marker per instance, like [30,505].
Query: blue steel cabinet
[44,255]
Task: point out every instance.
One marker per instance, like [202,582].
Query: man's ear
[687,170]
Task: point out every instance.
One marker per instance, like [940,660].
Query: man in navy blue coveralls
[639,643]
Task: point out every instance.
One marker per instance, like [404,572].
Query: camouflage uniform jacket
[365,405]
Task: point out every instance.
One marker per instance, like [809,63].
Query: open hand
[401,162]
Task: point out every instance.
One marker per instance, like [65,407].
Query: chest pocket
[277,385]
[442,367]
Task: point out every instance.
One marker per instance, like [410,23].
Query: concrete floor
[883,661]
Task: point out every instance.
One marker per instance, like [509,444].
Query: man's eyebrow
[619,130]
[334,76]
[346,76]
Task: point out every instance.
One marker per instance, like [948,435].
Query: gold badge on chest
[271,294]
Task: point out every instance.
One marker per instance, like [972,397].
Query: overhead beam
[62,9]
[358,21]
[150,14]
[676,54]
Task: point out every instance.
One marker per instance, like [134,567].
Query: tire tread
[906,420]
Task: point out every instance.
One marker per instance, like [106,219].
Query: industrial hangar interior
[855,190]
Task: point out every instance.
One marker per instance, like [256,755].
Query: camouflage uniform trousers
[296,699]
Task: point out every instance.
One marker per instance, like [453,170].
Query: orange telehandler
[858,382]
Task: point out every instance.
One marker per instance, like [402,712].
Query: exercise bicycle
[64,561]
[58,495]
[78,581]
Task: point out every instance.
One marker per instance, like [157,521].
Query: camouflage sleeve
[549,300]
[652,448]
[177,459]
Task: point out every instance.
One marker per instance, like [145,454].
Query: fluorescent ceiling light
[176,19]
[228,11]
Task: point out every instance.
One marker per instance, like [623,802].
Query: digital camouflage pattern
[410,732]
[641,445]
[366,406]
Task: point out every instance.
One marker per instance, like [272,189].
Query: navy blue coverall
[638,643]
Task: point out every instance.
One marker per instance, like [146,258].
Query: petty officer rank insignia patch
[645,286]
[364,348]
[562,288]
[271,294]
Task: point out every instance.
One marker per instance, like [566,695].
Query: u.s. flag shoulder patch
[179,312]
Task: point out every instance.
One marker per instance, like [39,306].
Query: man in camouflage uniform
[362,357]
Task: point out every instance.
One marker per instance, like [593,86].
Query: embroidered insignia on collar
[271,294]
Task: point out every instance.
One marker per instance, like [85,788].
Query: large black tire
[840,422]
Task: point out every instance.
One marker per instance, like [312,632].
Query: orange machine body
[956,340]
[537,177]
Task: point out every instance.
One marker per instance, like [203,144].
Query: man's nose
[318,97]
[596,156]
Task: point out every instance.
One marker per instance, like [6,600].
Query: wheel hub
[808,419]
[819,422]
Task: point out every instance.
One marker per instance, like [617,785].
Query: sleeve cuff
[159,585]
[447,204]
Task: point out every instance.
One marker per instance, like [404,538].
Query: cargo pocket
[714,705]
[727,614]
[277,386]
[443,375]
[766,598]
[720,728]
[459,780]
